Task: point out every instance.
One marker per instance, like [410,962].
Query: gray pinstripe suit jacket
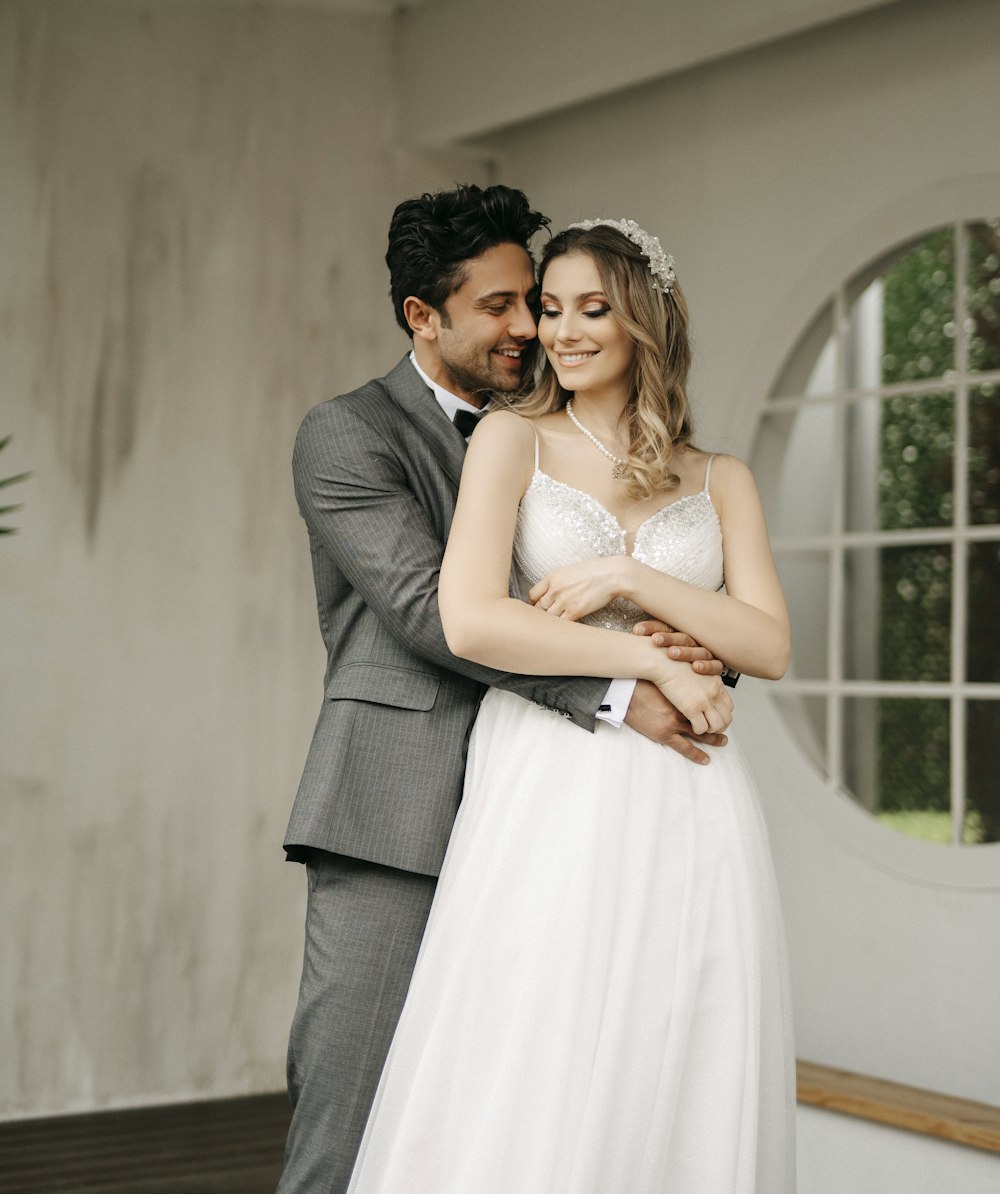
[376,477]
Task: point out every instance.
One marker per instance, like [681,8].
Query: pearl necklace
[618,472]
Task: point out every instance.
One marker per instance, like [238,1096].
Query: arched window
[878,455]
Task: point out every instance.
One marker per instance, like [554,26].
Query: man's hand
[653,716]
[681,647]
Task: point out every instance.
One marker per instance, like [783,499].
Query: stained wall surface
[193,200]
[193,204]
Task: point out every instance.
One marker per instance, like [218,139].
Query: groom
[376,475]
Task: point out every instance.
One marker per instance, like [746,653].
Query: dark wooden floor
[233,1146]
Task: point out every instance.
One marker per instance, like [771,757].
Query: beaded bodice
[559,525]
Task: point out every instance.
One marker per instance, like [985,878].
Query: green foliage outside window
[916,490]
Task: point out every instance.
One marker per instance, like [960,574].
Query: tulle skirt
[600,1001]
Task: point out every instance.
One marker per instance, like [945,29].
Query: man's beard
[486,377]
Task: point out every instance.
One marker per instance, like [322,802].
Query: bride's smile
[586,345]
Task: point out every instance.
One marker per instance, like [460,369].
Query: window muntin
[878,456]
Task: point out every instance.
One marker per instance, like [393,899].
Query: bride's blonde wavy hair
[657,413]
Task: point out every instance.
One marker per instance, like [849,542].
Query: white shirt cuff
[616,701]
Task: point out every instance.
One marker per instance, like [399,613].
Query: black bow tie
[466,420]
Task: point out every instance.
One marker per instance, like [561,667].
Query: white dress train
[600,1003]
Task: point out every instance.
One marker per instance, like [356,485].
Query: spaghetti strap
[708,468]
[535,430]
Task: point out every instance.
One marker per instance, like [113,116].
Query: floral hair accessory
[661,265]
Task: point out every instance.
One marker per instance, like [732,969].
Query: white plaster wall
[193,203]
[772,176]
[193,206]
[841,1155]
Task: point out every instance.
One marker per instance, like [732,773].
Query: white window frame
[835,544]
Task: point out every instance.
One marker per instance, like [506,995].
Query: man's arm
[356,500]
[653,716]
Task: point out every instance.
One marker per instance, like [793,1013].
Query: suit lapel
[408,391]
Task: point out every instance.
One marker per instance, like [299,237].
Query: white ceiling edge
[568,52]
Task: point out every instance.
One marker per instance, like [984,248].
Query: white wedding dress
[599,1005]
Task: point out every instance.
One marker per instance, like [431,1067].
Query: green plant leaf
[10,481]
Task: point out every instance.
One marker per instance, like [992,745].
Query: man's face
[484,334]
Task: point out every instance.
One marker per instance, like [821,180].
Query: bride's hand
[704,700]
[580,589]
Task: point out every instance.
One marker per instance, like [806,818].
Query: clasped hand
[687,675]
[702,698]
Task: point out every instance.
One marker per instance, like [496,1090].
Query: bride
[599,1005]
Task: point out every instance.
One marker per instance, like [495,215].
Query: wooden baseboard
[225,1146]
[234,1146]
[959,1120]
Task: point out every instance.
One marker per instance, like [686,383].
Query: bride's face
[585,344]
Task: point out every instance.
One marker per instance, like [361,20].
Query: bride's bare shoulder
[512,424]
[728,470]
[504,424]
[723,474]
[731,484]
[505,439]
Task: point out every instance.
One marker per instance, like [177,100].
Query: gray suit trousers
[364,923]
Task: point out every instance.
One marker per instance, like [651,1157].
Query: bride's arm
[482,622]
[747,626]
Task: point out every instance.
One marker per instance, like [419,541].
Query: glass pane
[896,763]
[901,453]
[982,642]
[982,765]
[984,455]
[983,295]
[905,316]
[865,339]
[898,613]
[805,577]
[794,465]
[806,717]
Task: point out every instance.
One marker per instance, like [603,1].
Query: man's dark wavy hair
[432,238]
